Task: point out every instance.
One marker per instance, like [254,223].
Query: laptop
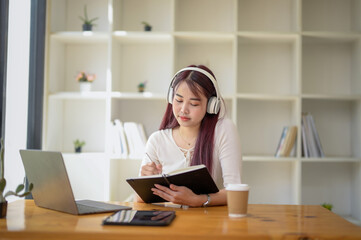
[52,189]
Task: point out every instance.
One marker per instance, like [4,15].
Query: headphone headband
[213,103]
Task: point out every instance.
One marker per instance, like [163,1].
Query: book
[135,139]
[311,141]
[315,135]
[196,178]
[287,141]
[281,141]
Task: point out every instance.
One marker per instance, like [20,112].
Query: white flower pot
[85,86]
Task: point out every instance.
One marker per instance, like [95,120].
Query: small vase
[3,209]
[85,86]
[87,27]
[78,149]
[147,28]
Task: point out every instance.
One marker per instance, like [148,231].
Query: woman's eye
[194,104]
[178,100]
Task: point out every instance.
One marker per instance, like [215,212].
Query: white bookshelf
[273,60]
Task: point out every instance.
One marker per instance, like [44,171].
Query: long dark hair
[199,84]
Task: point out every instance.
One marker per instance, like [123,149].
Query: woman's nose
[184,108]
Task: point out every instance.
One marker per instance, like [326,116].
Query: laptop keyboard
[89,206]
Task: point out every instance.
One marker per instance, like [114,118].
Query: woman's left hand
[178,195]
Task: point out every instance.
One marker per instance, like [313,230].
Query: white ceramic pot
[85,86]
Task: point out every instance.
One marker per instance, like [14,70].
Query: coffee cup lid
[237,187]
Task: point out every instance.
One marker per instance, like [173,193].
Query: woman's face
[188,108]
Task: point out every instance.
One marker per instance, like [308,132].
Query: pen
[156,161]
[171,205]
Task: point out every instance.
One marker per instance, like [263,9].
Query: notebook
[52,189]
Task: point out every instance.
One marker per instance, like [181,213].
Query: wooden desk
[26,221]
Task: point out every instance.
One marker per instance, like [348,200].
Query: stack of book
[287,142]
[311,144]
[129,139]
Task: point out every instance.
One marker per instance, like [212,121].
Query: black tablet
[140,218]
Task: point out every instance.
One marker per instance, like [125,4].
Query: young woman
[194,131]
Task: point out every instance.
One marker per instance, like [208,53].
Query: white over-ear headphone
[213,104]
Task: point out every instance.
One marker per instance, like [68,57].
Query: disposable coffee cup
[237,200]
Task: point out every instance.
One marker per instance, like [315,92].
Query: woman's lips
[184,118]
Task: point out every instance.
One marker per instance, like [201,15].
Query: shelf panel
[345,97]
[249,158]
[80,37]
[271,97]
[139,96]
[332,36]
[246,36]
[331,159]
[141,37]
[204,36]
[78,95]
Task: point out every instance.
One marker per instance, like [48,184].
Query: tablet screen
[143,218]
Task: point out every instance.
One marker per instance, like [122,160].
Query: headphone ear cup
[170,95]
[213,105]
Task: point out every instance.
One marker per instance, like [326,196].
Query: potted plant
[85,80]
[87,23]
[328,206]
[78,145]
[147,26]
[20,187]
[141,86]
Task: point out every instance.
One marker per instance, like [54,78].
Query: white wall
[17,91]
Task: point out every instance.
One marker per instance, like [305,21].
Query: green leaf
[19,188]
[31,186]
[9,193]
[2,184]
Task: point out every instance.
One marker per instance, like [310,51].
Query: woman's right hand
[151,169]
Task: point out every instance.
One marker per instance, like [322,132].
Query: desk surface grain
[26,221]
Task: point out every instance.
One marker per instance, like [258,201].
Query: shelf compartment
[65,14]
[67,121]
[154,65]
[335,183]
[260,124]
[268,65]
[216,55]
[331,15]
[128,15]
[280,190]
[264,15]
[88,175]
[205,15]
[149,113]
[331,65]
[338,125]
[120,170]
[68,59]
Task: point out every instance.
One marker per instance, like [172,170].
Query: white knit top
[227,159]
